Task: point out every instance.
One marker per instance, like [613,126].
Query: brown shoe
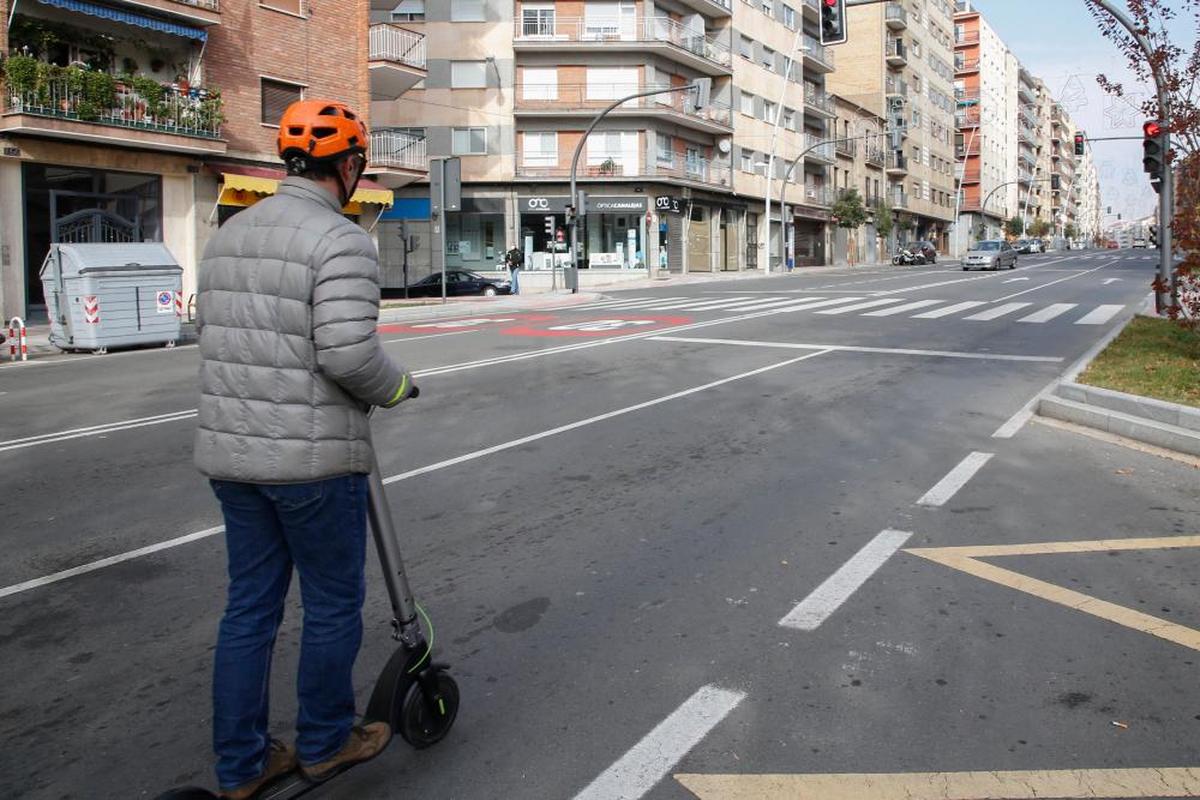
[365,742]
[280,761]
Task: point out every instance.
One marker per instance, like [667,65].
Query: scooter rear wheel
[420,723]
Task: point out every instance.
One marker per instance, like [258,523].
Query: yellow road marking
[1026,785]
[966,559]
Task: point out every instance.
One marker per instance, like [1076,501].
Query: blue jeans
[515,275]
[321,529]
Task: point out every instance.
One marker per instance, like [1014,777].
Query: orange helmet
[320,131]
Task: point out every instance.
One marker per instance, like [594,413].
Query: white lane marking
[887,301]
[1107,281]
[845,348]
[948,310]
[77,358]
[82,569]
[913,306]
[1099,315]
[95,430]
[910,289]
[841,585]
[191,537]
[701,304]
[997,312]
[648,762]
[487,451]
[1016,280]
[955,479]
[1048,313]
[627,302]
[1052,283]
[428,336]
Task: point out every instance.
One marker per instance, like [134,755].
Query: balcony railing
[196,112]
[895,87]
[897,162]
[695,170]
[896,16]
[211,5]
[896,52]
[899,199]
[821,149]
[646,30]
[818,99]
[816,51]
[566,98]
[876,157]
[966,117]
[393,43]
[970,175]
[847,147]
[966,65]
[967,37]
[398,150]
[818,195]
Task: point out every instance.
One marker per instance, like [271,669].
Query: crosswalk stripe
[771,304]
[806,305]
[615,302]
[913,306]
[1099,315]
[1048,313]
[998,312]
[938,313]
[862,306]
[642,303]
[700,304]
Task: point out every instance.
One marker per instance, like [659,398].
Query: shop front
[808,232]
[612,233]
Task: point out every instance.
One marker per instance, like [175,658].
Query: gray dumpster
[112,295]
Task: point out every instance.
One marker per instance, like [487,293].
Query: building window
[540,148]
[468,74]
[605,19]
[290,6]
[746,47]
[767,7]
[695,162]
[789,119]
[789,17]
[409,11]
[768,59]
[539,83]
[468,142]
[747,104]
[276,97]
[611,83]
[747,161]
[666,150]
[769,108]
[466,10]
[614,152]
[537,19]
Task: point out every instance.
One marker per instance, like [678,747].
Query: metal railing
[897,50]
[398,150]
[177,112]
[560,97]
[846,147]
[695,170]
[388,42]
[818,52]
[964,97]
[966,117]
[895,87]
[894,12]
[966,65]
[966,37]
[820,149]
[644,30]
[211,5]
[876,157]
[818,195]
[899,199]
[897,162]
[818,99]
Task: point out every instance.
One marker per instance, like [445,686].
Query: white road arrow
[1016,280]
[1107,281]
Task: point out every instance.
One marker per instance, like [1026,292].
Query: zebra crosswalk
[864,306]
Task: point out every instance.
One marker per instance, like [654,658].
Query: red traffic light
[1152,130]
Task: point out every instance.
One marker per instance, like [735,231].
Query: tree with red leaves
[1178,67]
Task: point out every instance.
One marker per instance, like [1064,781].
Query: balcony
[896,54]
[965,66]
[896,17]
[1024,176]
[820,196]
[969,174]
[648,35]
[875,157]
[584,100]
[694,172]
[966,37]
[894,87]
[818,102]
[966,98]
[397,158]
[817,57]
[846,147]
[812,9]
[196,12]
[71,104]
[899,198]
[967,118]
[395,60]
[710,8]
[1027,115]
[1027,135]
[897,163]
[821,149]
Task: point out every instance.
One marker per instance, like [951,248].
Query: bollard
[16,339]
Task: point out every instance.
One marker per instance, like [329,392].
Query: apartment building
[513,85]
[861,165]
[155,120]
[899,64]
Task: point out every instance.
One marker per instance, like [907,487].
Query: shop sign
[611,205]
[541,204]
[606,260]
[668,204]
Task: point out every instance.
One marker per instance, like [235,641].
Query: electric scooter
[415,695]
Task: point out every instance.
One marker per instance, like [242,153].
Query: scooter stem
[407,628]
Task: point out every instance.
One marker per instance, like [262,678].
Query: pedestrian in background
[515,259]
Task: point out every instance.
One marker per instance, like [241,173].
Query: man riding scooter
[287,312]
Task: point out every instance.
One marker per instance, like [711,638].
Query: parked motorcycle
[907,257]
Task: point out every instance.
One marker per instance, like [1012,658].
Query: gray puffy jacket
[287,310]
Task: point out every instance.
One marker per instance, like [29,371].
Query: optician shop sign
[544,204]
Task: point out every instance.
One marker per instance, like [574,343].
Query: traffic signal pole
[1166,200]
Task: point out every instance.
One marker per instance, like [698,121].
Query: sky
[1058,41]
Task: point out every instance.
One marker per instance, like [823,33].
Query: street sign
[445,173]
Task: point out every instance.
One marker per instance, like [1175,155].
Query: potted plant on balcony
[73,80]
[210,115]
[99,95]
[607,167]
[20,75]
[149,93]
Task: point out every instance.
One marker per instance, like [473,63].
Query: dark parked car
[459,282]
[926,249]
[1023,246]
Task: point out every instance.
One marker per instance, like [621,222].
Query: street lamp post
[787,72]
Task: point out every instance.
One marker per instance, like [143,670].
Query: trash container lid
[89,257]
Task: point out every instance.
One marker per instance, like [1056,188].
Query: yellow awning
[246,190]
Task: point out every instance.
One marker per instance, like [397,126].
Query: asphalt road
[623,501]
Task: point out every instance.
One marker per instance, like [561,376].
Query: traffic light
[1154,236]
[833,22]
[1153,157]
[549,227]
[1080,141]
[700,97]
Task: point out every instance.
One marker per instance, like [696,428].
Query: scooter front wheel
[424,721]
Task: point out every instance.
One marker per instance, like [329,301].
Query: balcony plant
[150,92]
[20,74]
[211,115]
